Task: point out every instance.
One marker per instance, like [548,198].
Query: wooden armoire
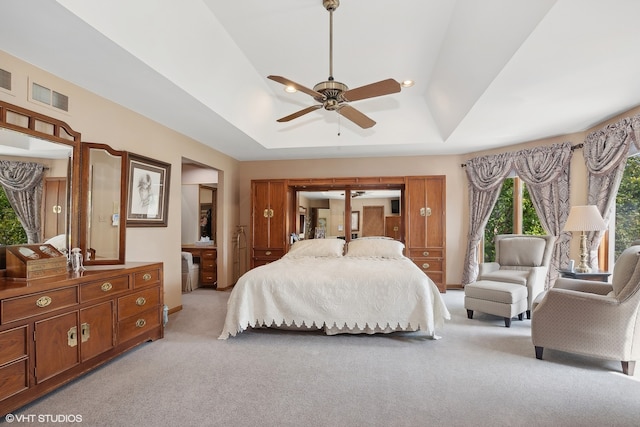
[268,221]
[426,221]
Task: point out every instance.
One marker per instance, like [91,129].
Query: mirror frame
[84,197]
[44,127]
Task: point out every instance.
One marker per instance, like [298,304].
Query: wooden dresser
[206,257]
[54,330]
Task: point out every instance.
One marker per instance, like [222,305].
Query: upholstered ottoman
[498,298]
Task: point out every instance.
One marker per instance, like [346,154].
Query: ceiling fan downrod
[331,6]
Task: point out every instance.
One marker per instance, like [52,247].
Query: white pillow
[317,248]
[379,248]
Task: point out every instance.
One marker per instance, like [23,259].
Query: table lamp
[583,219]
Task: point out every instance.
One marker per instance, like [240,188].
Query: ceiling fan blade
[299,113]
[383,87]
[356,116]
[297,86]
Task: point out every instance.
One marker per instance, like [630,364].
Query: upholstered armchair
[522,260]
[593,318]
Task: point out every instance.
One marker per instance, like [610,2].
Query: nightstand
[603,276]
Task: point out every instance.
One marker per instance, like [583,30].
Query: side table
[603,276]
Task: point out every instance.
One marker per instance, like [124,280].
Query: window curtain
[605,153]
[545,171]
[486,175]
[22,183]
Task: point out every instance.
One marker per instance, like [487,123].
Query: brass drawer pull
[425,253]
[425,265]
[72,336]
[146,277]
[85,331]
[141,301]
[106,287]
[43,301]
[267,253]
[140,323]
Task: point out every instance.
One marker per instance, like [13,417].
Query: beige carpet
[479,374]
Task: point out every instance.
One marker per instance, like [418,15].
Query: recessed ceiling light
[290,89]
[407,83]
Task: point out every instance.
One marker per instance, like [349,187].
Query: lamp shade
[585,218]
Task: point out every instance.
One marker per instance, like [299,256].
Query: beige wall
[100,120]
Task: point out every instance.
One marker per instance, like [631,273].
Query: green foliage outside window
[11,231]
[501,220]
[628,206]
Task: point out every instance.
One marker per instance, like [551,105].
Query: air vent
[50,97]
[5,79]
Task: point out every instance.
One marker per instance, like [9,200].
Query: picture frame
[148,191]
[355,221]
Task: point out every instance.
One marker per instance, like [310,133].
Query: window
[11,231]
[627,228]
[513,214]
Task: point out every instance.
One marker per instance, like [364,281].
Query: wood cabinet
[54,330]
[426,226]
[54,207]
[421,224]
[393,227]
[269,221]
[206,258]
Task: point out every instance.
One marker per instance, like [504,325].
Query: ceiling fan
[335,96]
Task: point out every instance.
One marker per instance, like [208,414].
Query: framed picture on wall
[148,189]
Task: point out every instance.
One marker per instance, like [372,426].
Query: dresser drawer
[426,253]
[268,253]
[208,256]
[427,265]
[13,345]
[131,305]
[139,324]
[14,378]
[208,277]
[101,288]
[436,277]
[36,304]
[146,278]
[208,265]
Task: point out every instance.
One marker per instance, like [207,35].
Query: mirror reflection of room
[103,227]
[372,213]
[37,213]
[199,224]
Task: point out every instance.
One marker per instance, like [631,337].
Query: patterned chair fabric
[593,318]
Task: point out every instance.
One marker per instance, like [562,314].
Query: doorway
[373,221]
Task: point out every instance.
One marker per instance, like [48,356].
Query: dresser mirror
[369,212]
[103,202]
[46,150]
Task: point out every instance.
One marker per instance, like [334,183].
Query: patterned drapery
[486,175]
[605,154]
[22,182]
[545,171]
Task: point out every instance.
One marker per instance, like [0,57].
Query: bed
[372,288]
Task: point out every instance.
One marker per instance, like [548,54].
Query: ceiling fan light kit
[333,95]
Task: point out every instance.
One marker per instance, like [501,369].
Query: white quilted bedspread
[344,293]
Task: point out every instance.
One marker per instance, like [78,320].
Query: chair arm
[535,282]
[589,286]
[487,267]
